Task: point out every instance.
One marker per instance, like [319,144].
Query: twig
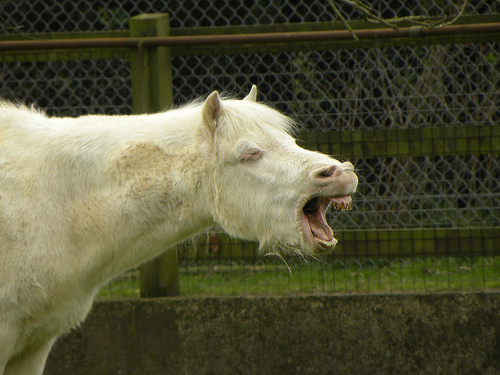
[419,20]
[7,25]
[456,16]
[367,12]
[343,19]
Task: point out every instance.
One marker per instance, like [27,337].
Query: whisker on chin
[277,254]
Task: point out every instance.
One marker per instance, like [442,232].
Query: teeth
[342,206]
[333,242]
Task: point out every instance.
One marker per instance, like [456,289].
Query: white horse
[83,199]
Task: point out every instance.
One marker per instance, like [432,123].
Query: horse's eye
[251,154]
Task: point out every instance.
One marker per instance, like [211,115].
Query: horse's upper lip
[317,233]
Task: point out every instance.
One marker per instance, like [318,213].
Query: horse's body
[82,200]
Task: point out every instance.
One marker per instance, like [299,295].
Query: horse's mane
[174,126]
[241,115]
[14,115]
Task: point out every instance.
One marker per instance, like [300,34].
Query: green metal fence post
[152,92]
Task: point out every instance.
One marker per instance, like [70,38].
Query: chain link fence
[69,88]
[351,89]
[33,16]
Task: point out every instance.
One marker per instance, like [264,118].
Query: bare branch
[456,17]
[367,12]
[7,25]
[370,16]
[337,12]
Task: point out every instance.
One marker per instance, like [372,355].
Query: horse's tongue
[320,229]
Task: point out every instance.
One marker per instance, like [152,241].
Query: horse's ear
[252,95]
[211,111]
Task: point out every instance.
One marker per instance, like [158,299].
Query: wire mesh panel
[394,87]
[69,88]
[69,15]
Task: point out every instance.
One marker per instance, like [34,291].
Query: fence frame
[152,91]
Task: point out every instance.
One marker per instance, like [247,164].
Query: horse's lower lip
[316,246]
[325,246]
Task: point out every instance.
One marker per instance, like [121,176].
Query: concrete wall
[448,333]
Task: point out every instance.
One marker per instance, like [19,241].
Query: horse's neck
[158,193]
[120,192]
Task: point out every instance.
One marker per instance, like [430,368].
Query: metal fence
[69,88]
[34,16]
[448,85]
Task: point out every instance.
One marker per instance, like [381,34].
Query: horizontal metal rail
[376,243]
[405,142]
[261,38]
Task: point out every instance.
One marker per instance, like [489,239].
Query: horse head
[265,186]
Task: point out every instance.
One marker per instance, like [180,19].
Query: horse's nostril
[326,172]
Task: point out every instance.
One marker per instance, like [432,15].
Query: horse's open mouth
[313,221]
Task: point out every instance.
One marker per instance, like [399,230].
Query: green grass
[267,276]
[124,286]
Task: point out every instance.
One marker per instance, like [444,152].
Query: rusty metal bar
[291,37]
